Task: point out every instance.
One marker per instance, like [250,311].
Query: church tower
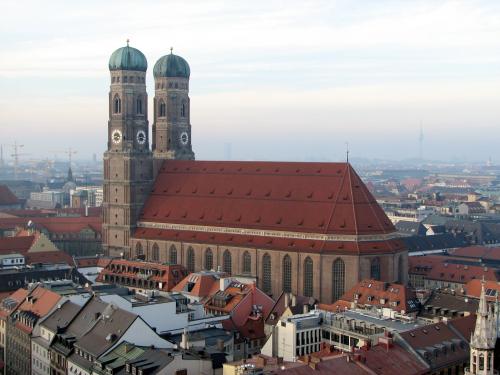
[483,340]
[172,126]
[128,169]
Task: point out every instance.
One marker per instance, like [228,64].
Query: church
[312,229]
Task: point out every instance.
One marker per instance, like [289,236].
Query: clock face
[141,137]
[116,136]
[184,138]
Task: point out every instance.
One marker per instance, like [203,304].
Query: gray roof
[62,316]
[104,333]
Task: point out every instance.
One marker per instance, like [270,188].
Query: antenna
[347,152]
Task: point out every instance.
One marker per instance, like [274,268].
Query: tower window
[338,279]
[227,262]
[190,259]
[209,259]
[139,106]
[117,105]
[173,255]
[375,269]
[308,277]
[266,273]
[163,109]
[183,110]
[125,79]
[287,274]
[155,253]
[247,262]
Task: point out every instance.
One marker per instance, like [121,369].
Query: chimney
[86,209]
[184,340]
[294,300]
[287,300]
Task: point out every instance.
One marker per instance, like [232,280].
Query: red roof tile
[7,197]
[372,293]
[327,198]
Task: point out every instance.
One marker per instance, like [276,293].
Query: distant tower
[128,170]
[421,143]
[483,340]
[172,126]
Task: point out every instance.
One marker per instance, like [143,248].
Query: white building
[11,261]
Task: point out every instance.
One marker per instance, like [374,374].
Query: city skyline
[275,82]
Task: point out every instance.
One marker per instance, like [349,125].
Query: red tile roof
[437,267]
[7,197]
[396,297]
[58,225]
[490,253]
[323,198]
[262,242]
[21,244]
[168,275]
[473,289]
[40,301]
[198,284]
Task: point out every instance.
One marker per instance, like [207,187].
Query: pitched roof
[59,225]
[443,268]
[7,197]
[437,344]
[372,292]
[473,289]
[320,198]
[16,244]
[199,284]
[39,301]
[485,253]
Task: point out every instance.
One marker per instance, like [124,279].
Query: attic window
[238,218]
[212,191]
[330,196]
[178,190]
[167,214]
[230,192]
[279,220]
[289,194]
[240,169]
[194,190]
[184,214]
[277,170]
[202,215]
[249,192]
[297,171]
[257,170]
[321,224]
[258,220]
[310,195]
[301,222]
[318,171]
[346,197]
[221,169]
[268,194]
[204,169]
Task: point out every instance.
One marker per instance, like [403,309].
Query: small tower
[128,168]
[172,126]
[483,340]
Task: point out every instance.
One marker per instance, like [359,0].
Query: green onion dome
[171,66]
[128,58]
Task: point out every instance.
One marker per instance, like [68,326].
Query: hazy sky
[275,79]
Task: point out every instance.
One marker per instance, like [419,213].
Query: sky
[270,80]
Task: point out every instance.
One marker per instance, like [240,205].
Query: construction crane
[16,147]
[70,152]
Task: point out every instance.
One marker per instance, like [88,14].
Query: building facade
[312,229]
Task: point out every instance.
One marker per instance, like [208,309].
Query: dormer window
[117,105]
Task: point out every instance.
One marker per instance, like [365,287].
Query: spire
[70,175]
[485,332]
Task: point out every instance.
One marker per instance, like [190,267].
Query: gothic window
[308,277]
[139,106]
[247,262]
[287,274]
[190,259]
[266,273]
[375,269]
[172,256]
[183,110]
[209,259]
[163,109]
[338,279]
[155,253]
[117,104]
[226,262]
[481,362]
[138,249]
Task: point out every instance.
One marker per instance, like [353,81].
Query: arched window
[401,269]
[138,106]
[308,277]
[117,105]
[287,274]
[155,253]
[266,274]
[375,269]
[163,109]
[338,279]
[209,259]
[226,262]
[172,255]
[247,262]
[190,259]
[183,110]
[481,362]
[138,249]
